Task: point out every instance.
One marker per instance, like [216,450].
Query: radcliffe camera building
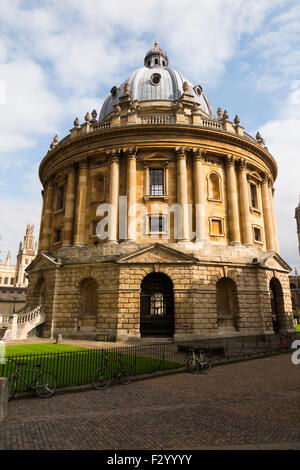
[158,220]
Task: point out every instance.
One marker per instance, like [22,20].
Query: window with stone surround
[60,197]
[156,224]
[257,234]
[156,180]
[216,227]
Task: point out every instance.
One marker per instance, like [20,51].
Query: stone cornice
[140,136]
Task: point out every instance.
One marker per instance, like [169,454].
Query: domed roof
[156,82]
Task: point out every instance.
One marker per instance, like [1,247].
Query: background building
[191,245]
[13,280]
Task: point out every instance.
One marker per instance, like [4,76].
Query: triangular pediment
[42,261]
[158,253]
[274,261]
[154,157]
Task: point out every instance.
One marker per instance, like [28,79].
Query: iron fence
[73,368]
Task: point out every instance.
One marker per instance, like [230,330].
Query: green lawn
[74,366]
[297,327]
[38,348]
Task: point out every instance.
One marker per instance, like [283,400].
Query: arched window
[227,306]
[214,187]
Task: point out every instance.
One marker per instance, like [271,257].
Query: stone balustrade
[20,324]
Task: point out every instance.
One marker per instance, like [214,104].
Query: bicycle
[102,376]
[284,344]
[43,383]
[196,360]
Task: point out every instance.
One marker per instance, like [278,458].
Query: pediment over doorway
[42,261]
[274,261]
[158,253]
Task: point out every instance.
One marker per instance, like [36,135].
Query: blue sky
[59,59]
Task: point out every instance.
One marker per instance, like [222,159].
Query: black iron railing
[73,368]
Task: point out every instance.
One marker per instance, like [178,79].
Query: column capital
[265,178]
[180,153]
[83,163]
[242,164]
[70,168]
[230,159]
[49,182]
[198,154]
[113,155]
[131,153]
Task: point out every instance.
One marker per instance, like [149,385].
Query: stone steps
[2,331]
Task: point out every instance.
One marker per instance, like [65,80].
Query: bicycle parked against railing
[196,360]
[118,368]
[285,343]
[43,383]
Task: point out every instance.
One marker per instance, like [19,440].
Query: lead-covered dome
[156,81]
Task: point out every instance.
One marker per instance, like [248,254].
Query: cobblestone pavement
[251,404]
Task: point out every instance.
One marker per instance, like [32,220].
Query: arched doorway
[277,305]
[87,315]
[227,306]
[157,306]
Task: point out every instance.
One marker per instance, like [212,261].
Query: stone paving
[247,405]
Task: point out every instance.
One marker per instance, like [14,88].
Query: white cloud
[283,140]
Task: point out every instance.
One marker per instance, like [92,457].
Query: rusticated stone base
[117,278]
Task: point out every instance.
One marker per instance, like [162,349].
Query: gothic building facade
[14,275]
[158,220]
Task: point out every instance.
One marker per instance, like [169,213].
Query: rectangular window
[60,197]
[253,192]
[257,234]
[156,182]
[57,236]
[156,224]
[12,280]
[216,227]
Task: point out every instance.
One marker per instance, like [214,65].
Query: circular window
[198,90]
[155,78]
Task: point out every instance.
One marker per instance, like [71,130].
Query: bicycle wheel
[45,385]
[12,387]
[125,376]
[194,368]
[207,365]
[101,378]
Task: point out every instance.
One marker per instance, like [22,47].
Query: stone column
[267,214]
[271,195]
[69,208]
[79,231]
[49,200]
[43,192]
[199,200]
[182,191]
[244,204]
[113,196]
[131,195]
[232,202]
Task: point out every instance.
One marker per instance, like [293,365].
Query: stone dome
[156,82]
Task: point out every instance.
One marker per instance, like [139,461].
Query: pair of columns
[245,235]
[239,233]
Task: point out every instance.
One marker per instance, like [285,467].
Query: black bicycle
[43,383]
[118,368]
[196,360]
